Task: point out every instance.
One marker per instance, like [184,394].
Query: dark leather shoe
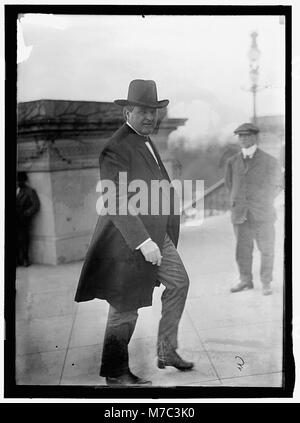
[267,290]
[170,357]
[242,286]
[127,379]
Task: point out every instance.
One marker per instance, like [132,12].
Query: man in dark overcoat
[130,253]
[253,178]
[27,205]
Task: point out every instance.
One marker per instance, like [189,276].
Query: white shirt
[248,152]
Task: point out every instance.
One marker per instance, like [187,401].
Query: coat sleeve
[228,175]
[113,161]
[34,203]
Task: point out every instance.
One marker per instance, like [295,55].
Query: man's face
[143,119]
[247,140]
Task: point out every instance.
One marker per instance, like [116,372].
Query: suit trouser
[120,324]
[264,235]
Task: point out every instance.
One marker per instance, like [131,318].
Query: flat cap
[247,128]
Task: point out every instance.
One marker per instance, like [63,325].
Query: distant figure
[253,179]
[27,205]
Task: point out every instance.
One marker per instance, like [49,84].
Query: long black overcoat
[114,269]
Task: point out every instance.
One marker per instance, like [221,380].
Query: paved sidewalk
[60,342]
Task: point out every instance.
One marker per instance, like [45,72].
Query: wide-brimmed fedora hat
[142,93]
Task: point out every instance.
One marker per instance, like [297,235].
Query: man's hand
[151,252]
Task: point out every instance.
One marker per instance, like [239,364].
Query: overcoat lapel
[150,160]
[161,165]
[254,161]
[242,167]
[245,166]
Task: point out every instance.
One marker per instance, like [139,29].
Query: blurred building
[59,143]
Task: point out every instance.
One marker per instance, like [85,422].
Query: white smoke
[207,121]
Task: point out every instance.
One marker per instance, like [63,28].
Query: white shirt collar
[248,152]
[130,126]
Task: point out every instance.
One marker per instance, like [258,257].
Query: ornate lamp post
[254,55]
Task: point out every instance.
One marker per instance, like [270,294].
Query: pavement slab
[245,350]
[269,380]
[59,342]
[40,368]
[143,362]
[42,335]
[88,328]
[82,366]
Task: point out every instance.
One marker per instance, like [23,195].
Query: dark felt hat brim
[156,105]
